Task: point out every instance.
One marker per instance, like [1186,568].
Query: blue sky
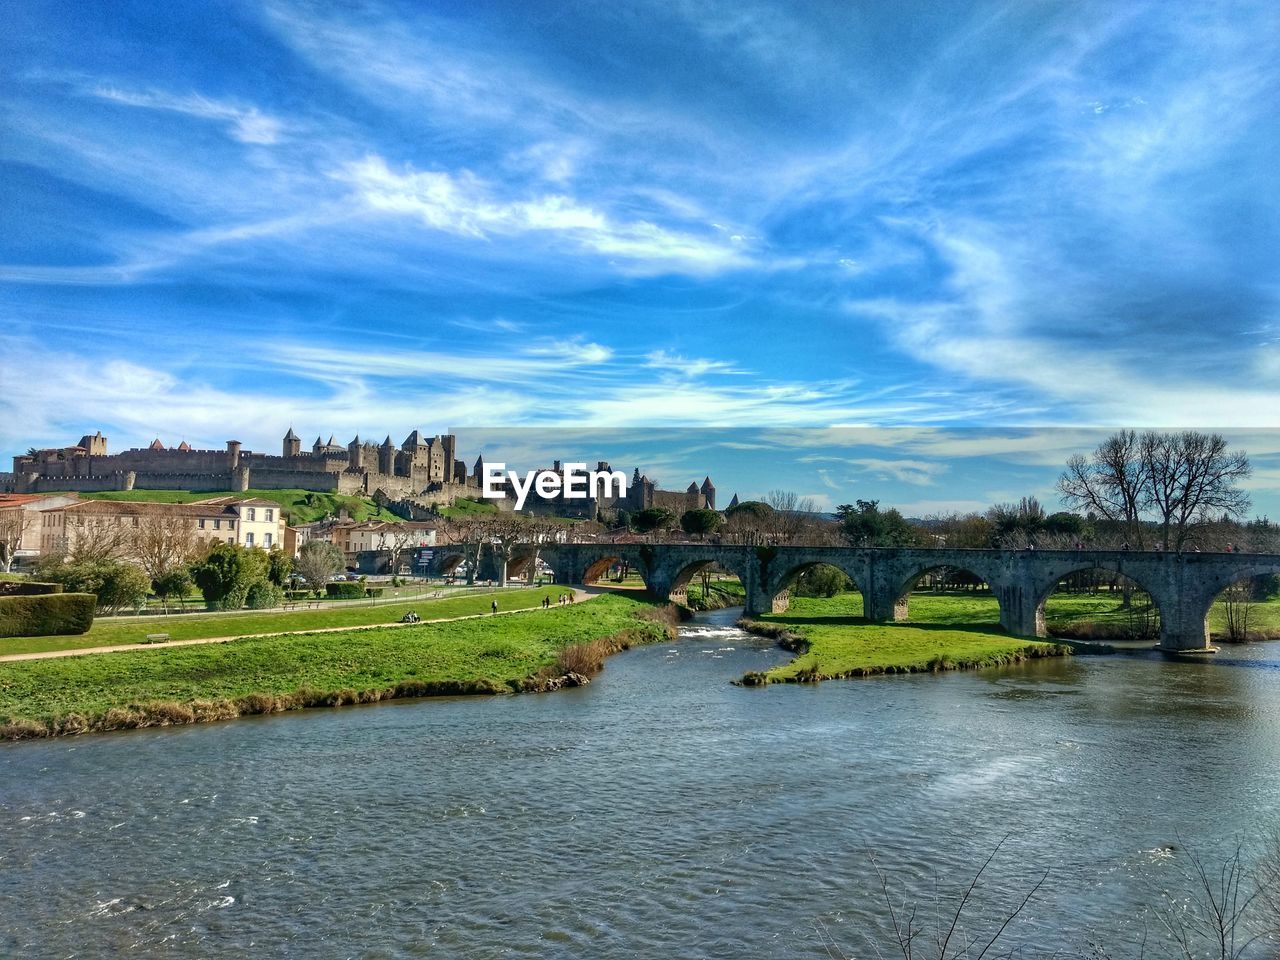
[1002,217]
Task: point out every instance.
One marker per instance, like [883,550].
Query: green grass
[300,506]
[107,632]
[721,593]
[463,507]
[220,681]
[833,641]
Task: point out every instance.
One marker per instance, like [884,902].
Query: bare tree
[471,533]
[396,539]
[90,538]
[1113,482]
[318,560]
[1237,605]
[161,544]
[1192,476]
[14,525]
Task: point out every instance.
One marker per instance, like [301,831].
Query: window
[248,539]
[252,514]
[268,514]
[217,524]
[202,523]
[266,540]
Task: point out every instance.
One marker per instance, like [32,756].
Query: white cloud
[464,204]
[246,124]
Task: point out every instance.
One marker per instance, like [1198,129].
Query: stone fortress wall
[421,474]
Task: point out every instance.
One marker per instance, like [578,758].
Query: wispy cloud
[464,204]
[246,124]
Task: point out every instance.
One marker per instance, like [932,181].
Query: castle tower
[292,444]
[449,443]
[708,491]
[387,457]
[317,447]
[734,502]
[233,454]
[479,472]
[355,454]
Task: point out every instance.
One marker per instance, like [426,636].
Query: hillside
[300,506]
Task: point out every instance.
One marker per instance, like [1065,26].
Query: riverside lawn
[833,641]
[263,675]
[109,632]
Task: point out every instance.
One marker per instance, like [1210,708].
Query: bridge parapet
[1182,585]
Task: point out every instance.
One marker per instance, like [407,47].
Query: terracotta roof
[139,508]
[18,499]
[156,444]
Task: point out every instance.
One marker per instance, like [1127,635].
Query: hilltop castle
[423,471]
[419,465]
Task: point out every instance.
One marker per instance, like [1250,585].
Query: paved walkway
[580,594]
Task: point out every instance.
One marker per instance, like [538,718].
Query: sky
[980,235]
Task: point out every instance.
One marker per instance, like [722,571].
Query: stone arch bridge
[1182,585]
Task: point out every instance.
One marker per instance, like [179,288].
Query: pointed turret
[156,444]
[184,447]
[693,487]
[292,445]
[734,502]
[708,491]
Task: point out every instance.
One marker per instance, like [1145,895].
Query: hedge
[345,591]
[48,615]
[373,591]
[27,588]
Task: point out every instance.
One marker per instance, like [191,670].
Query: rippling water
[658,812]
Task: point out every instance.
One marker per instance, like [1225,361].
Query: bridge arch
[687,569]
[1198,604]
[1049,583]
[783,576]
[973,570]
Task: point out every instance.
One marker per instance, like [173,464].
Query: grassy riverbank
[720,593]
[832,640]
[109,632]
[526,651]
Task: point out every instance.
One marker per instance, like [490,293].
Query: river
[659,812]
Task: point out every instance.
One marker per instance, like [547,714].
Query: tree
[161,544]
[279,566]
[118,585]
[317,561]
[1014,524]
[1179,478]
[90,539]
[176,583]
[1192,475]
[227,573]
[396,539]
[795,518]
[1112,482]
[14,525]
[866,525]
[751,522]
[701,522]
[653,519]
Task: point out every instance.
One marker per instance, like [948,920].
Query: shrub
[27,588]
[48,615]
[116,584]
[345,591]
[263,595]
[225,574]
[373,591]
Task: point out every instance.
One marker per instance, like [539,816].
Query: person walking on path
[495,606]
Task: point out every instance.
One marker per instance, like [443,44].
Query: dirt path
[580,594]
